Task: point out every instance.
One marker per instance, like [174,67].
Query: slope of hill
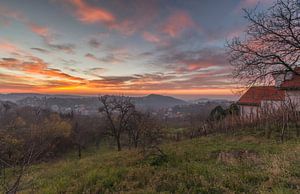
[155,101]
[215,164]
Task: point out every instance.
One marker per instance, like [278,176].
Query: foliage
[219,113]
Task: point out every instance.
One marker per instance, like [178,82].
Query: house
[259,99]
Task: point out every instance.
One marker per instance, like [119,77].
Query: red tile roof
[255,95]
[294,83]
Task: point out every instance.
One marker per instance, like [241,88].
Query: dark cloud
[115,81]
[40,50]
[110,58]
[94,43]
[67,48]
[193,60]
[96,71]
[69,62]
[9,59]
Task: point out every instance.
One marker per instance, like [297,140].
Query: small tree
[217,114]
[117,111]
[150,136]
[135,128]
[77,134]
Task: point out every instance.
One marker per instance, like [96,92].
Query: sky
[128,47]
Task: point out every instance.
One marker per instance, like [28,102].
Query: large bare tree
[117,110]
[271,44]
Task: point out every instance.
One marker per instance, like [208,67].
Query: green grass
[191,166]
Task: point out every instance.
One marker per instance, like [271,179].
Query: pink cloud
[193,66]
[125,27]
[151,37]
[8,47]
[18,16]
[39,30]
[91,14]
[177,23]
[7,13]
[13,49]
[235,32]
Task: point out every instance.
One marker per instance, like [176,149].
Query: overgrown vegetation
[215,164]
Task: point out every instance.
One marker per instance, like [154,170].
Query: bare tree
[118,111]
[85,129]
[135,128]
[271,45]
[77,133]
[151,136]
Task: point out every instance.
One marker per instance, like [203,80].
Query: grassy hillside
[216,164]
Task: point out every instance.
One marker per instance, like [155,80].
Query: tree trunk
[79,151]
[268,129]
[118,143]
[135,144]
[282,134]
[283,130]
[297,129]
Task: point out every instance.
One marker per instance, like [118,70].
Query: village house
[259,99]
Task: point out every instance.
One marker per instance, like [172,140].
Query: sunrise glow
[103,47]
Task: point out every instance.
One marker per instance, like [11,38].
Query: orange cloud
[177,23]
[37,67]
[35,75]
[83,90]
[91,14]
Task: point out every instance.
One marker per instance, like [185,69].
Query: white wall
[294,97]
[249,112]
[271,106]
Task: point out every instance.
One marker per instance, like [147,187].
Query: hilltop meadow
[239,163]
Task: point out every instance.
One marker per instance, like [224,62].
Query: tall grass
[191,166]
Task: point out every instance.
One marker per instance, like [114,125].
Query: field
[213,164]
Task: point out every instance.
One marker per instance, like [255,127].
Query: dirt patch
[235,156]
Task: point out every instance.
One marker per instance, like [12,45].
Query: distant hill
[13,97]
[200,100]
[205,100]
[150,102]
[154,101]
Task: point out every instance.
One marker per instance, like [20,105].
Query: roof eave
[248,104]
[290,88]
